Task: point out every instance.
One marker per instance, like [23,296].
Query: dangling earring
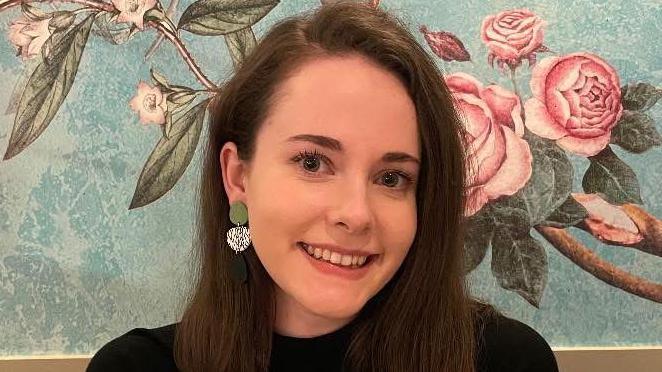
[239,239]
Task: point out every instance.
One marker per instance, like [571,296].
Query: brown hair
[423,319]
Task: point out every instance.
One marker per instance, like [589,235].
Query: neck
[294,320]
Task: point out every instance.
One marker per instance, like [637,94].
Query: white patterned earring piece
[239,239]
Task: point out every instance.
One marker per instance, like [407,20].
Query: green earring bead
[238,213]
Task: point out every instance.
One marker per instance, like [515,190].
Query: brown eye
[390,179]
[311,163]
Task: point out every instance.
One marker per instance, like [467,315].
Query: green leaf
[180,98]
[176,102]
[568,214]
[639,96]
[62,20]
[113,32]
[158,78]
[154,14]
[170,157]
[220,17]
[52,43]
[519,263]
[551,178]
[548,187]
[611,177]
[635,132]
[21,81]
[167,126]
[477,238]
[240,44]
[32,12]
[179,88]
[47,88]
[511,213]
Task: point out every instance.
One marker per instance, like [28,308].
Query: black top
[508,345]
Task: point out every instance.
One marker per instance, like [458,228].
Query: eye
[391,179]
[311,160]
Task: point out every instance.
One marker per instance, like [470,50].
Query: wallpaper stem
[601,269]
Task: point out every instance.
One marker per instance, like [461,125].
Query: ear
[234,173]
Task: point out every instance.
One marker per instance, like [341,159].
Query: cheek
[399,230]
[279,210]
[279,190]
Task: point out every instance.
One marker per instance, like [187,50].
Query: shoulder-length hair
[424,318]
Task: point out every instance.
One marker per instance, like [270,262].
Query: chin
[333,307]
[339,313]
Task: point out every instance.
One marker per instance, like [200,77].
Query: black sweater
[506,345]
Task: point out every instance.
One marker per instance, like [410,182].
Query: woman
[336,153]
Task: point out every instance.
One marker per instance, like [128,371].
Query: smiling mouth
[368,260]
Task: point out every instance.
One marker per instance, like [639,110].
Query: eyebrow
[335,145]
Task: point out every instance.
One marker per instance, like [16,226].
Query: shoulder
[140,349]
[506,344]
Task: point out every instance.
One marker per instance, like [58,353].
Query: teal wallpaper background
[77,267]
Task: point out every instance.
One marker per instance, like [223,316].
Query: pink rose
[607,222]
[133,11]
[512,35]
[28,36]
[150,104]
[492,116]
[576,101]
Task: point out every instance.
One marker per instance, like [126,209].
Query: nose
[351,211]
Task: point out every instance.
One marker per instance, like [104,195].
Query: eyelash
[320,156]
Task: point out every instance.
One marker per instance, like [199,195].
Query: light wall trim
[583,359]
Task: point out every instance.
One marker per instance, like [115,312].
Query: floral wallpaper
[104,103]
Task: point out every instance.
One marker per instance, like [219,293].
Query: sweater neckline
[339,336]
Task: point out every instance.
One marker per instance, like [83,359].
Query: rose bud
[446,45]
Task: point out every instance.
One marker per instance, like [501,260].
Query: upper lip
[339,249]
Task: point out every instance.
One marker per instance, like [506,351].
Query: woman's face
[347,195]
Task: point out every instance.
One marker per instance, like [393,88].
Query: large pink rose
[492,116]
[512,35]
[576,101]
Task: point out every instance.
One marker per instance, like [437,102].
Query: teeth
[334,257]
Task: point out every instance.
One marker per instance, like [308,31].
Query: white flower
[29,36]
[150,104]
[133,10]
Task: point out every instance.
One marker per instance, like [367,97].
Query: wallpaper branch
[5,4]
[185,54]
[170,12]
[601,269]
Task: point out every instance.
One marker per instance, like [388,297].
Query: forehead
[349,98]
